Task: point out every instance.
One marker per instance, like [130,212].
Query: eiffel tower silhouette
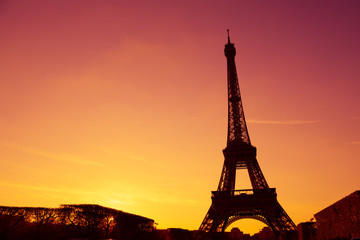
[260,202]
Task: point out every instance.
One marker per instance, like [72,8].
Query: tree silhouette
[72,221]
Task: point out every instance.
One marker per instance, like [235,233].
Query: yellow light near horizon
[247,226]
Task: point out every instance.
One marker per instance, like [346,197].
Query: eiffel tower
[260,202]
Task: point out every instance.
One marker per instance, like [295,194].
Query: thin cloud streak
[58,193]
[55,156]
[192,118]
[160,184]
[293,122]
[125,198]
[37,188]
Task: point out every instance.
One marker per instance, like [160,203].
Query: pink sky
[123,103]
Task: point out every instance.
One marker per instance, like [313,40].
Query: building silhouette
[340,220]
[306,231]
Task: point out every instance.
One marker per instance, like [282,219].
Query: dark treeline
[72,221]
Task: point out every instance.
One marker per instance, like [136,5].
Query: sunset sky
[124,103]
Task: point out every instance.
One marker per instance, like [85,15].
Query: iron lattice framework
[260,202]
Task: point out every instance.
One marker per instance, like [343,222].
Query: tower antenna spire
[228,35]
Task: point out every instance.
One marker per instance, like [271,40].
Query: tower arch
[249,215]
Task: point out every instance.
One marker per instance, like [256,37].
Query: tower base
[260,204]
